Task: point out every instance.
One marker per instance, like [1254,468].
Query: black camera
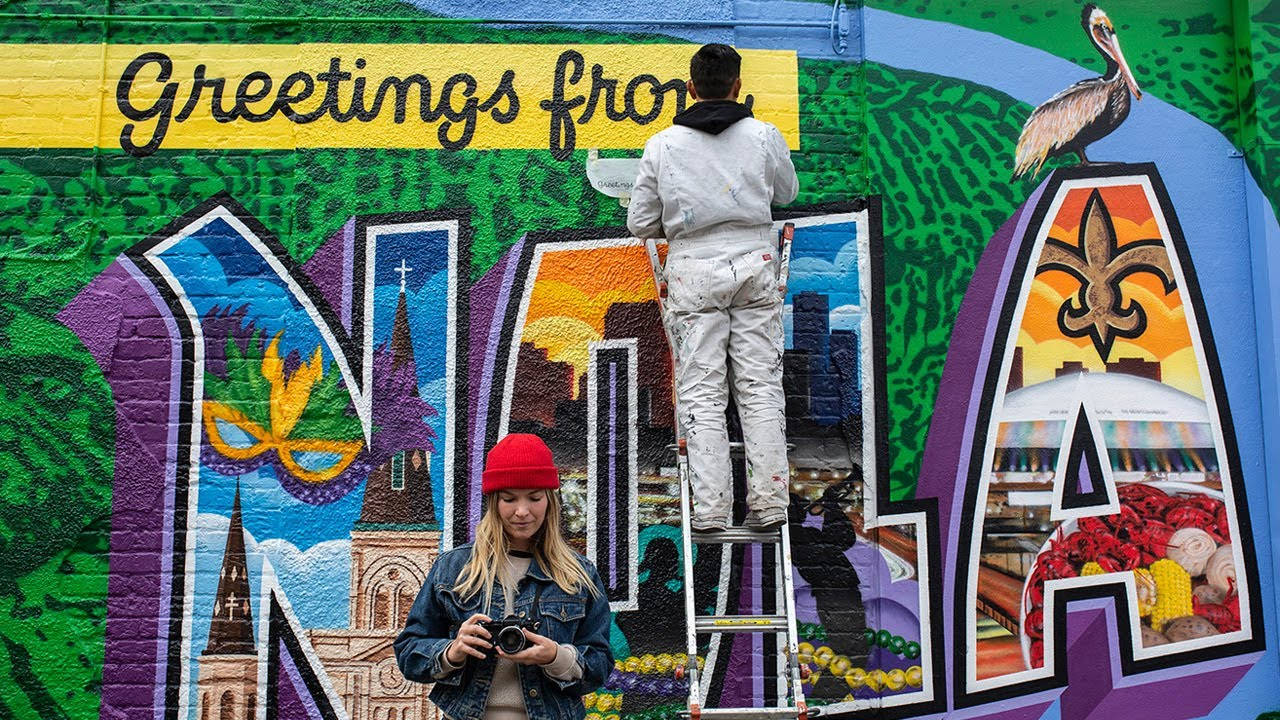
[507,632]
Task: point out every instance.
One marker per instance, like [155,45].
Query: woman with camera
[551,644]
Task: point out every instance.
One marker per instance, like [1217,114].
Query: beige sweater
[506,696]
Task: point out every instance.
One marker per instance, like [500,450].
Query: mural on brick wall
[304,423]
[261,316]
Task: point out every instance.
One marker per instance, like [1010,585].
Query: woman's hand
[472,640]
[541,650]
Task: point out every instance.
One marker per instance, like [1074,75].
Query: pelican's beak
[1113,44]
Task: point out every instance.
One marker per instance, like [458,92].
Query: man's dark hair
[713,69]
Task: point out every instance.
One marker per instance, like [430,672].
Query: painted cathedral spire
[401,340]
[397,495]
[231,631]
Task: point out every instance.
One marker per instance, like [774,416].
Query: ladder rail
[789,598]
[682,472]
[690,609]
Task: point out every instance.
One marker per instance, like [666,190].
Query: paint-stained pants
[724,300]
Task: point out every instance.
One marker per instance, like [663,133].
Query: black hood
[713,116]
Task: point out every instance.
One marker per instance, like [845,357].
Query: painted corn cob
[1173,592]
[1146,591]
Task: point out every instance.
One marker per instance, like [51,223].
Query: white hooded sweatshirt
[713,174]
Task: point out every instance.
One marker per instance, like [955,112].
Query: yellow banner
[144,98]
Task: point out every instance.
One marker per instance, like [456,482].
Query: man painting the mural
[706,184]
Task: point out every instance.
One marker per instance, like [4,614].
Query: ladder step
[737,534]
[766,713]
[740,623]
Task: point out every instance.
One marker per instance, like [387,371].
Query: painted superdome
[1147,426]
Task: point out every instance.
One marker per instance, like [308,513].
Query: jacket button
[533,693]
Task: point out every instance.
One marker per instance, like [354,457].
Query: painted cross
[403,269]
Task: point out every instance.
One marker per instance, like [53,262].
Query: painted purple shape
[293,700]
[328,270]
[229,325]
[1096,690]
[614,560]
[96,313]
[944,467]
[1084,479]
[136,354]
[398,410]
[878,589]
[1031,712]
[743,679]
[488,298]
[136,641]
[757,639]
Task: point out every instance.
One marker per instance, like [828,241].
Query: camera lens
[511,639]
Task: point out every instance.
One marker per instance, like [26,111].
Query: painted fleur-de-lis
[1099,310]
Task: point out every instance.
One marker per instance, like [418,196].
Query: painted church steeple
[397,495]
[231,630]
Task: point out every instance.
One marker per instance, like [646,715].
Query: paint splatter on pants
[724,301]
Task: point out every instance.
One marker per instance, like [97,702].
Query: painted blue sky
[270,512]
[824,259]
[426,293]
[216,266]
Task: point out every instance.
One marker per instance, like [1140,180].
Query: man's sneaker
[769,520]
[700,525]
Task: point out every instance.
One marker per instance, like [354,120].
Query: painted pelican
[1083,113]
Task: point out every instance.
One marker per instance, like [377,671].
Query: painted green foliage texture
[937,149]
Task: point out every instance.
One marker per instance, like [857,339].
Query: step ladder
[790,707]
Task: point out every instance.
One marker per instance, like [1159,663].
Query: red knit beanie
[519,461]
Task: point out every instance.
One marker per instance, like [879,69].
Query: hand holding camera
[518,642]
[472,640]
[511,637]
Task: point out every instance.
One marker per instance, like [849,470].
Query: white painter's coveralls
[709,194]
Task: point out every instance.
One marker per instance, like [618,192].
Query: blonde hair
[550,550]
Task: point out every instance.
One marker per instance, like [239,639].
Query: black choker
[519,553]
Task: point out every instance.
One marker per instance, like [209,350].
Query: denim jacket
[579,619]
